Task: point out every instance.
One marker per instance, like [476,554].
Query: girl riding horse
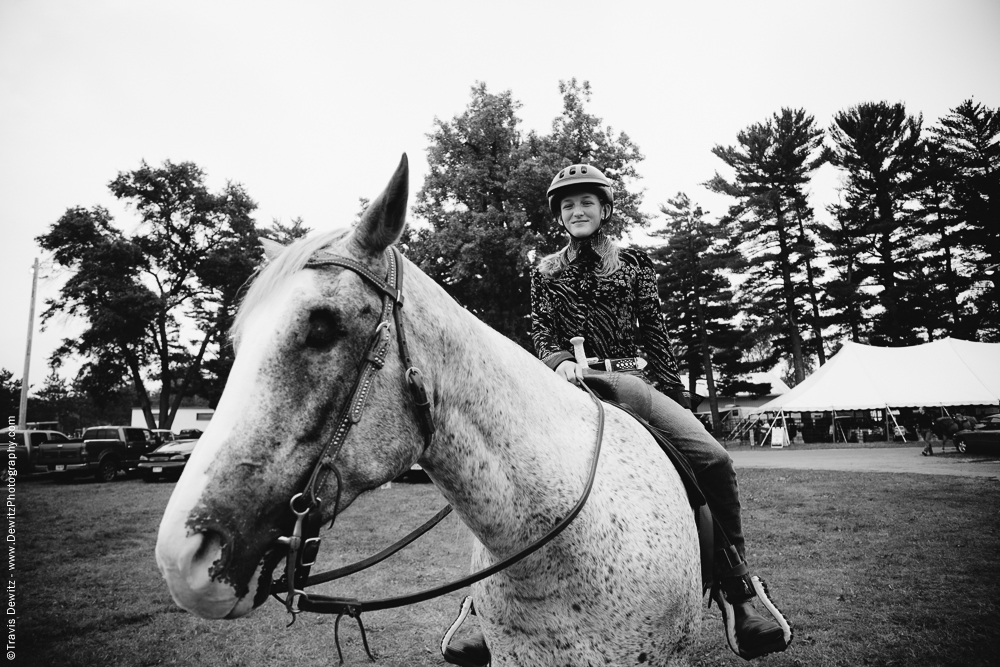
[594,289]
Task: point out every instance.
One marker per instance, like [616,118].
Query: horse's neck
[514,441]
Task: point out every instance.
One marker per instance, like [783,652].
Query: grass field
[872,569]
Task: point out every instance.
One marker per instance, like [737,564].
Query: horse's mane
[291,260]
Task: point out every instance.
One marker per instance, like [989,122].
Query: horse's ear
[383,221]
[271,248]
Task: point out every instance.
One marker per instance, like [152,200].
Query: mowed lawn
[872,569]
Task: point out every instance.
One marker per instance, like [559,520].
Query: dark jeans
[710,462]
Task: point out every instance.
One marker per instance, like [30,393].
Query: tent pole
[769,427]
[889,414]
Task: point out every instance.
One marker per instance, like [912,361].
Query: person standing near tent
[925,429]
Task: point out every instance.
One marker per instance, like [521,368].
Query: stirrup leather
[749,587]
[446,652]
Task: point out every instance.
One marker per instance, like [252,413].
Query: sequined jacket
[605,310]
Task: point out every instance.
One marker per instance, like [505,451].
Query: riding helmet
[577,175]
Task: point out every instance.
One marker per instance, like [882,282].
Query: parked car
[26,443]
[984,436]
[167,460]
[190,433]
[103,451]
[163,435]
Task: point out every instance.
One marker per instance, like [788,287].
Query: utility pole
[22,415]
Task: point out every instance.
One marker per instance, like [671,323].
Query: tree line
[911,254]
[904,258]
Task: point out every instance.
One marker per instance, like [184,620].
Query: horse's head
[301,336]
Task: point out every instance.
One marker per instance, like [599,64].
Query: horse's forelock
[291,260]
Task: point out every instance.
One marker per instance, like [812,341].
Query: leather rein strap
[303,543]
[333,605]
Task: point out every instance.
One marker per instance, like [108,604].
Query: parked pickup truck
[26,443]
[103,452]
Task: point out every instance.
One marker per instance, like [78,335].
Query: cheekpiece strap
[374,360]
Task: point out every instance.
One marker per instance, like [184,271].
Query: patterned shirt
[605,311]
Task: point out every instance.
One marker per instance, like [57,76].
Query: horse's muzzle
[195,560]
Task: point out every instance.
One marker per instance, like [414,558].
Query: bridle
[304,541]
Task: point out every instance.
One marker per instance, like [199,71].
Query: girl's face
[582,214]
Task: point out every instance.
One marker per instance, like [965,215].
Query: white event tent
[947,372]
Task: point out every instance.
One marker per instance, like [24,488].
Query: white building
[186,417]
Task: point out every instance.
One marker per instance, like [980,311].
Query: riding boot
[469,652]
[749,633]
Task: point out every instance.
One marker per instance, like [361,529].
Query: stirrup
[458,656]
[759,587]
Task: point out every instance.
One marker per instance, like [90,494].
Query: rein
[303,543]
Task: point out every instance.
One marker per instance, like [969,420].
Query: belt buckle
[621,365]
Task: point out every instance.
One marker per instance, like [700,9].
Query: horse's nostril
[207,551]
[210,548]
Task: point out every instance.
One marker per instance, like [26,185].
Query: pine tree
[933,283]
[695,294]
[969,137]
[878,146]
[773,163]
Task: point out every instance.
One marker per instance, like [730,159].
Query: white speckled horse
[512,452]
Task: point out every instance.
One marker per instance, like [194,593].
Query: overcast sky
[310,104]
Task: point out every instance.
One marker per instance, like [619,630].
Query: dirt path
[901,459]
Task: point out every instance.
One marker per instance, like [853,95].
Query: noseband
[303,543]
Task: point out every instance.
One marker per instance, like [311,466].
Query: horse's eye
[324,329]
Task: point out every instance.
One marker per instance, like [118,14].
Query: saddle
[632,396]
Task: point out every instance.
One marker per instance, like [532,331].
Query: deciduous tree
[484,201]
[10,393]
[190,253]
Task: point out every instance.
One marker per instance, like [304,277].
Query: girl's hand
[570,371]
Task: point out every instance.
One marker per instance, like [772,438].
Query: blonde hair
[291,260]
[552,265]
